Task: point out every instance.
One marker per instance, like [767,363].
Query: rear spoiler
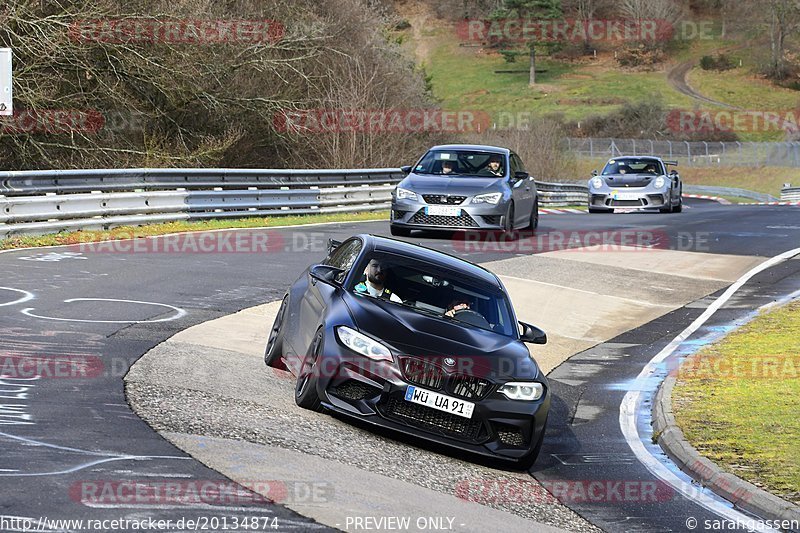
[671,163]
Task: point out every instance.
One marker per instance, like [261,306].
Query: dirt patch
[422,19]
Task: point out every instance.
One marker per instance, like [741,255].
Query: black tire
[508,223]
[534,223]
[274,349]
[668,208]
[527,461]
[399,232]
[678,208]
[305,389]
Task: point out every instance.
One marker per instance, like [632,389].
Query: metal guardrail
[790,194]
[729,191]
[37,202]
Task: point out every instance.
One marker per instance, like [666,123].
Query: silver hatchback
[465,187]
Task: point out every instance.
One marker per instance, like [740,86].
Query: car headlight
[527,391]
[491,198]
[659,182]
[405,194]
[363,345]
[597,183]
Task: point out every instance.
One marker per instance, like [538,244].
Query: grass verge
[128,232]
[737,402]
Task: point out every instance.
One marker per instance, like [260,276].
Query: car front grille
[464,220]
[468,387]
[423,373]
[626,203]
[443,199]
[434,420]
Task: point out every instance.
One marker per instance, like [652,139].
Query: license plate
[626,196]
[443,211]
[438,401]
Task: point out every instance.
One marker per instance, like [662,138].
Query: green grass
[128,232]
[738,403]
[464,78]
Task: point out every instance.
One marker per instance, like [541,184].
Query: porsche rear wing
[671,163]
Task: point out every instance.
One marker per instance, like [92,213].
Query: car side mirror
[673,173]
[406,169]
[532,334]
[594,173]
[326,274]
[521,175]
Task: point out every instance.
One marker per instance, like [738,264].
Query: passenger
[650,169]
[448,167]
[375,273]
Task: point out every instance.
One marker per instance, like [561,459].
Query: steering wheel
[471,317]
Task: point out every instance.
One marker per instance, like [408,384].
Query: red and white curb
[773,203]
[717,199]
[543,211]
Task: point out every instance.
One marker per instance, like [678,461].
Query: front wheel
[305,390]
[678,208]
[508,223]
[273,353]
[534,223]
[527,461]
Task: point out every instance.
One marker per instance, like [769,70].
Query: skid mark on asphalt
[179,313]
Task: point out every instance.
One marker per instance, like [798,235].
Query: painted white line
[630,405]
[179,313]
[26,296]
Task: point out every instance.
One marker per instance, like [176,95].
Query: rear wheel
[305,390]
[274,351]
[400,232]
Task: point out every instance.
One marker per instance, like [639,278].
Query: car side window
[345,255]
[514,165]
[518,162]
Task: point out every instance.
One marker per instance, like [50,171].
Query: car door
[522,191]
[317,297]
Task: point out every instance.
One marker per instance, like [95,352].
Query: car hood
[435,184]
[478,352]
[628,180]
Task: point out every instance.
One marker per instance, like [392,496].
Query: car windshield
[462,163]
[434,291]
[633,166]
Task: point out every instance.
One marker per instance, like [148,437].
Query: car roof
[473,147]
[385,244]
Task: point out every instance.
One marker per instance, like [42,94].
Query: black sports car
[414,340]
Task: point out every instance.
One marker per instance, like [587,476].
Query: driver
[459,304]
[375,273]
[494,166]
[448,167]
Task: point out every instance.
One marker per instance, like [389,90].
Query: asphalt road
[71,444]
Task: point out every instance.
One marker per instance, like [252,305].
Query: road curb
[717,199]
[554,211]
[739,492]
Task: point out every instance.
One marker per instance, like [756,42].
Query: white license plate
[443,211]
[626,196]
[439,401]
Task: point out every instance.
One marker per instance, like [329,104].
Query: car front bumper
[640,198]
[374,392]
[410,214]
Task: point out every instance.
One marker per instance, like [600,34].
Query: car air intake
[509,435]
[354,390]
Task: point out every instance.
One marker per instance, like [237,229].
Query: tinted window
[460,163]
[440,293]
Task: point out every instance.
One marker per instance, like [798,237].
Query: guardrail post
[689,153]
